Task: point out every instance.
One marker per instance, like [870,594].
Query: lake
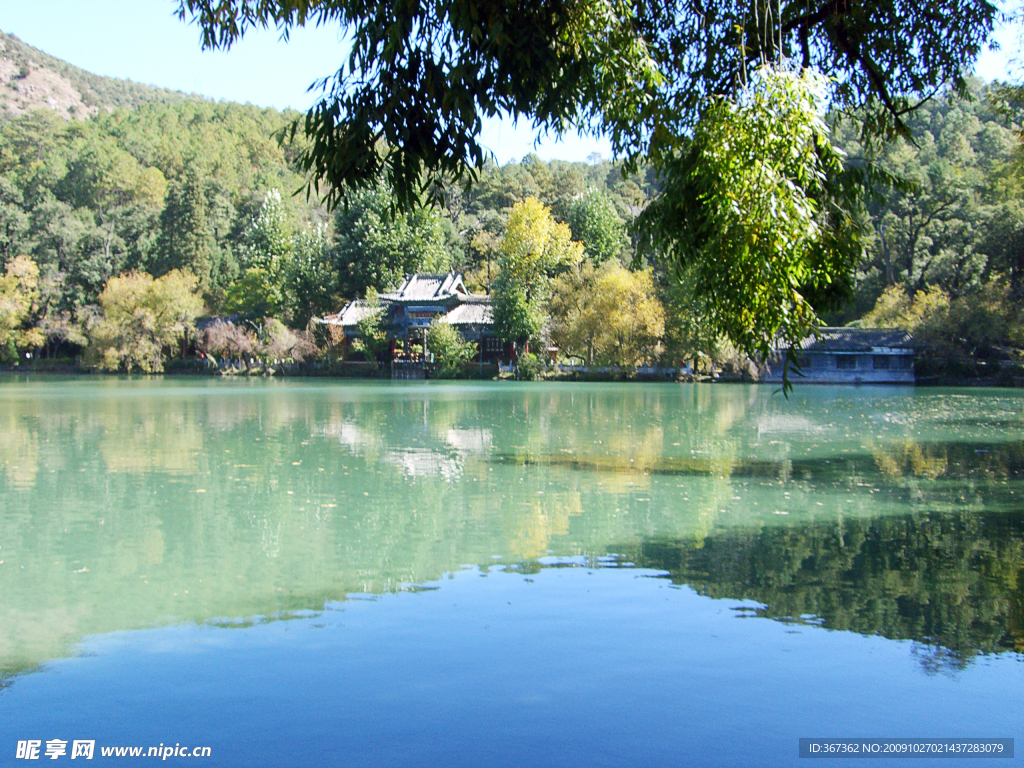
[498,574]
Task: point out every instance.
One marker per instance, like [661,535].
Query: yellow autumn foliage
[607,315]
[143,318]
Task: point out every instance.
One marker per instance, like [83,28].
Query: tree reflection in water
[131,504]
[953,582]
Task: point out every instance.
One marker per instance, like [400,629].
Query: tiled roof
[857,340]
[471,313]
[428,288]
[350,314]
[442,293]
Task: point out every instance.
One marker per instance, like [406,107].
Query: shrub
[282,343]
[529,367]
[329,341]
[225,340]
[450,348]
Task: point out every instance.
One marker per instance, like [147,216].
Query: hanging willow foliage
[754,217]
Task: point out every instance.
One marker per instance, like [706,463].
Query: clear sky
[142,40]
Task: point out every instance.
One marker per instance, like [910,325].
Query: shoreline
[192,367]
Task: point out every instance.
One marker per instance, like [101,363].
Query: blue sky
[143,40]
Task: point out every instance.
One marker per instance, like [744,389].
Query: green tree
[312,278]
[408,104]
[143,320]
[750,217]
[421,76]
[686,336]
[483,232]
[86,199]
[448,346]
[967,325]
[595,223]
[185,241]
[607,315]
[58,328]
[946,209]
[576,318]
[13,218]
[931,228]
[534,250]
[109,180]
[378,244]
[269,237]
[1003,242]
[266,256]
[18,293]
[254,295]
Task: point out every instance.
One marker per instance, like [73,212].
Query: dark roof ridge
[853,339]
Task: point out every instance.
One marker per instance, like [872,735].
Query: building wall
[490,349]
[889,367]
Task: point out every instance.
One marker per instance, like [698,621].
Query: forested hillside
[201,206]
[945,249]
[31,79]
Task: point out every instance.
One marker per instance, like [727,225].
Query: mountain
[31,79]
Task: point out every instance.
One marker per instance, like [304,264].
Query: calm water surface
[506,575]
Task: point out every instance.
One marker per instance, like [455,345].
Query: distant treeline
[201,194]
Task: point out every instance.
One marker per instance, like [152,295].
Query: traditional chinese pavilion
[409,310]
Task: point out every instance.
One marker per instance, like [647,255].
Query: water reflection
[950,581]
[135,504]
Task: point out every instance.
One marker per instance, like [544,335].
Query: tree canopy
[535,248]
[420,76]
[379,245]
[607,315]
[142,316]
[751,216]
[406,106]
